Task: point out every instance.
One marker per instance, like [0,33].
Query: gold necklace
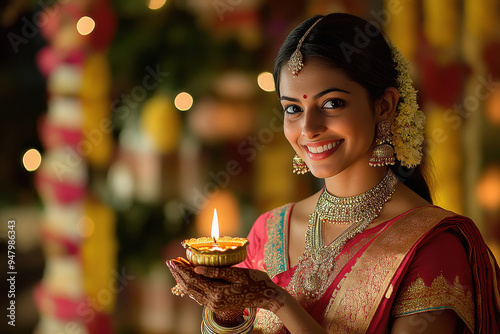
[356,209]
[312,275]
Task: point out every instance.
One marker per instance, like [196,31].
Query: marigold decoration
[441,22]
[408,126]
[480,18]
[403,27]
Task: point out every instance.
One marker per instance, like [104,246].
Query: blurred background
[124,123]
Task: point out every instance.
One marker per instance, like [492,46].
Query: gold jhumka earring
[298,165]
[383,153]
[296,63]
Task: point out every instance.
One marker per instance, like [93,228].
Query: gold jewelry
[298,165]
[210,326]
[313,273]
[356,209]
[383,153]
[409,123]
[296,63]
[177,291]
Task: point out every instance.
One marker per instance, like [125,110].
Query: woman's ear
[386,106]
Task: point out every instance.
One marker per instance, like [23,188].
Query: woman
[377,256]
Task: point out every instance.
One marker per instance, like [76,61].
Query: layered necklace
[312,275]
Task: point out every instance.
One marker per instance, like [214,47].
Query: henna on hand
[227,288]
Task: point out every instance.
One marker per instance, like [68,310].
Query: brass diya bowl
[228,251]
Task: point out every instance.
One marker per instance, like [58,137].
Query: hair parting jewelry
[296,61]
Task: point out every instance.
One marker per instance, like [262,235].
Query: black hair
[359,49]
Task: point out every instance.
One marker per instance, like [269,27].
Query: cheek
[292,134]
[289,132]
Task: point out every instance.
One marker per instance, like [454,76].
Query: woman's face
[329,120]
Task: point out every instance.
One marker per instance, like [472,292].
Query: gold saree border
[370,277]
[440,294]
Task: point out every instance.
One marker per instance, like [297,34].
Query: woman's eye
[334,103]
[292,109]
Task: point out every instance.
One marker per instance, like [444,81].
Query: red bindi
[305,96]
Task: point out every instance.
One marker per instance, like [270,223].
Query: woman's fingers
[188,282]
[232,275]
[224,288]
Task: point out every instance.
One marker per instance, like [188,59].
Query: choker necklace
[313,273]
[356,209]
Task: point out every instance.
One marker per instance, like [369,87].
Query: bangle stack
[210,326]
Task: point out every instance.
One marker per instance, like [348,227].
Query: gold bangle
[210,326]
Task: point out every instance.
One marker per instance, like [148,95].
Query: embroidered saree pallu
[427,259]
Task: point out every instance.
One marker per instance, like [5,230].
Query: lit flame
[215,227]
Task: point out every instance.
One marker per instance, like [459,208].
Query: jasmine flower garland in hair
[408,126]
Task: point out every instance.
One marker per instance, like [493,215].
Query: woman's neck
[354,181]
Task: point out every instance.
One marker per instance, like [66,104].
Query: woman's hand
[226,288]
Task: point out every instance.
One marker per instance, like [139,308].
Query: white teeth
[321,149]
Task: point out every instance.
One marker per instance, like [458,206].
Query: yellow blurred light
[488,188]
[183,101]
[156,4]
[86,226]
[266,81]
[32,160]
[85,25]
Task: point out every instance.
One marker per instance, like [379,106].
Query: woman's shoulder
[276,213]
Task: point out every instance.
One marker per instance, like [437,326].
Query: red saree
[427,259]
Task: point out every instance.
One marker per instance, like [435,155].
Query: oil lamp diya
[215,251]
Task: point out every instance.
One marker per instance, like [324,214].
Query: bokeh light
[156,4]
[85,25]
[488,188]
[492,107]
[266,81]
[86,227]
[32,160]
[183,101]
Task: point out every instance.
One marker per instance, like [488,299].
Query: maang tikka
[383,153]
[296,63]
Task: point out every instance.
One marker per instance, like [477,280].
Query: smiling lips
[318,151]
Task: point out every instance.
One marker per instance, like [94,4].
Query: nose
[313,123]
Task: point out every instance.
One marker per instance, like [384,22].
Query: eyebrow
[317,96]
